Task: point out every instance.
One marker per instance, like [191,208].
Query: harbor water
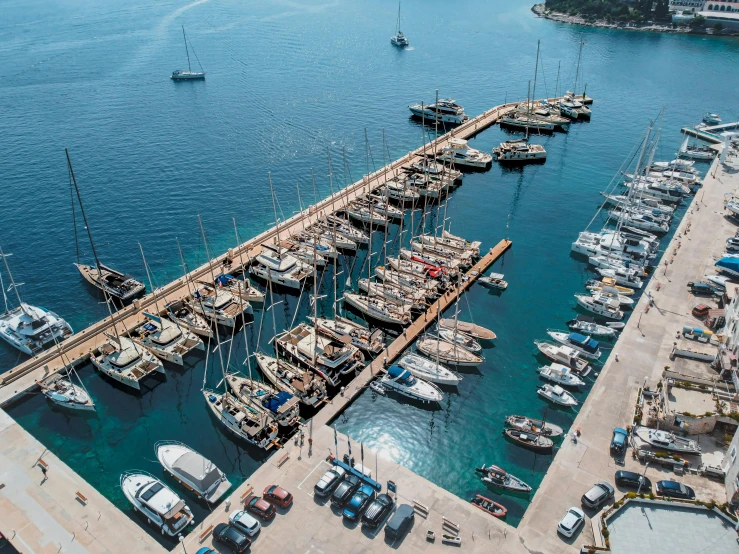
[285,82]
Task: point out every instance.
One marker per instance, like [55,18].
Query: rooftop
[670,529]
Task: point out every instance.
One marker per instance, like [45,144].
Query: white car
[572,520]
[244,522]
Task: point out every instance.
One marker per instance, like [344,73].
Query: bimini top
[587,343]
[274,402]
[395,371]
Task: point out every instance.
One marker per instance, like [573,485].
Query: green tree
[698,22]
[718,27]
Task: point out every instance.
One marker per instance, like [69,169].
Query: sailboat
[29,328]
[399,39]
[189,74]
[520,151]
[61,390]
[113,283]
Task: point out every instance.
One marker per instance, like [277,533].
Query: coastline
[541,11]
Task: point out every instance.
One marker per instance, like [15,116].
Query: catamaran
[399,39]
[189,74]
[254,427]
[166,339]
[458,152]
[124,361]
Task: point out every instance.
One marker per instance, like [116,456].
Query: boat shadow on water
[402,399]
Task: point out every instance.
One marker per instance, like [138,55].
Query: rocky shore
[542,11]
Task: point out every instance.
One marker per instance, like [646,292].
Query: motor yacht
[458,152]
[600,305]
[157,502]
[560,375]
[445,111]
[519,152]
[31,329]
[664,440]
[404,382]
[564,355]
[586,346]
[192,470]
[557,395]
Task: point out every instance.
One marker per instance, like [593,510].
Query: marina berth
[429,370]
[537,426]
[244,422]
[470,329]
[665,440]
[405,383]
[62,391]
[282,406]
[447,353]
[166,339]
[156,502]
[458,152]
[192,470]
[560,375]
[182,313]
[122,360]
[306,386]
[586,346]
[500,478]
[564,355]
[519,152]
[529,441]
[557,395]
[444,111]
[342,329]
[218,305]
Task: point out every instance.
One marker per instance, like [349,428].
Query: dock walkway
[78,347]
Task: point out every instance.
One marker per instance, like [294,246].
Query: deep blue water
[286,81]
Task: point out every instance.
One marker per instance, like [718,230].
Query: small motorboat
[488,506]
[494,281]
[156,501]
[557,395]
[586,327]
[530,441]
[711,118]
[500,478]
[530,425]
[586,346]
[377,387]
[561,375]
[470,329]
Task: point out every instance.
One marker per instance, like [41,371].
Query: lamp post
[182,542]
[643,477]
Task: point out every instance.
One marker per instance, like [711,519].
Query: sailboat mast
[397,29]
[536,72]
[187,52]
[577,71]
[82,209]
[556,85]
[12,283]
[274,208]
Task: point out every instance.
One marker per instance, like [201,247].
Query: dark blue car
[359,502]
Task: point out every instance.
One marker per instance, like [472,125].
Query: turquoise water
[286,80]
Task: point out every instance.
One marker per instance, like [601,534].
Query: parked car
[204,550]
[345,490]
[700,311]
[572,520]
[618,441]
[329,481]
[377,511]
[633,480]
[245,522]
[278,496]
[597,495]
[359,502]
[675,489]
[231,536]
[702,289]
[399,523]
[260,507]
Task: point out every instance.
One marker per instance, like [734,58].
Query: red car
[278,496]
[260,507]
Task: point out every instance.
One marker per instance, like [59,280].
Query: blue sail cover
[274,402]
[585,342]
[224,279]
[730,265]
[395,371]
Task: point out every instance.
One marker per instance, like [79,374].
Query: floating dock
[711,133]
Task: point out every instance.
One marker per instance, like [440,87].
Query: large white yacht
[458,152]
[608,242]
[156,501]
[447,109]
[403,382]
[519,152]
[194,471]
[279,267]
[166,339]
[126,362]
[31,329]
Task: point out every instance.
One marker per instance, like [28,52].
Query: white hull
[429,370]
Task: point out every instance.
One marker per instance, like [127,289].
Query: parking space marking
[319,464]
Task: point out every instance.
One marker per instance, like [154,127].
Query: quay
[79,347]
[711,133]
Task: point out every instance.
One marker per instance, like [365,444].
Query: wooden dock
[80,346]
[329,412]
